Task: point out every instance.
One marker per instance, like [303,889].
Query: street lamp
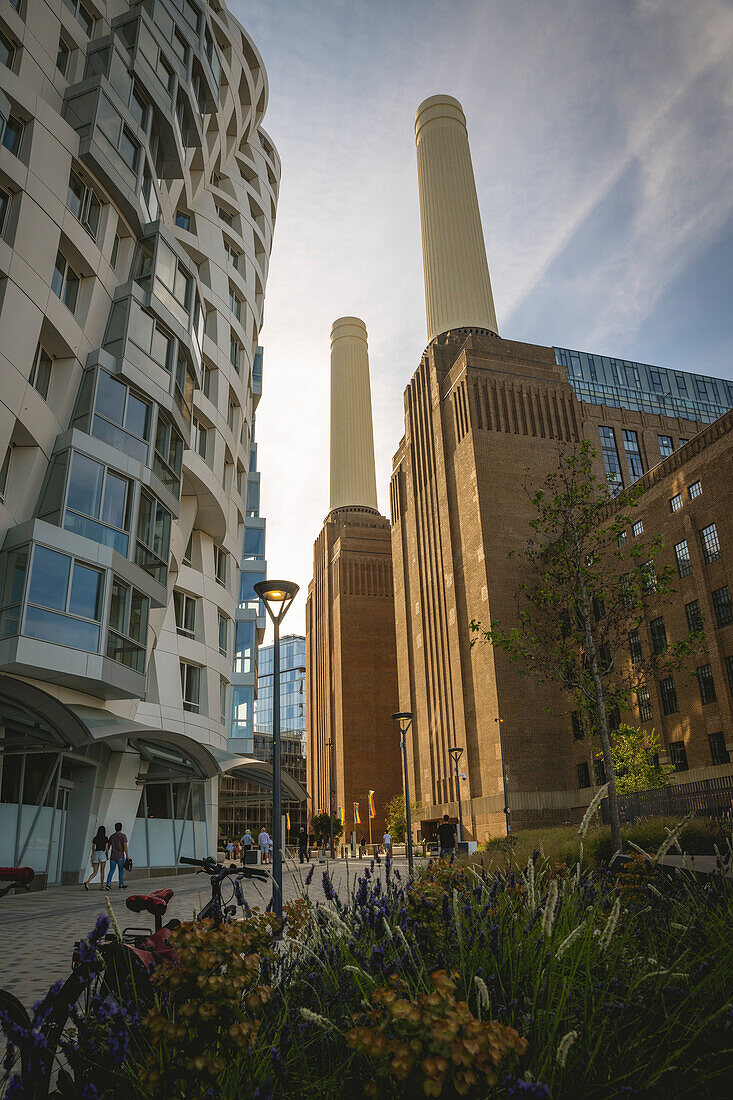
[329,746]
[455,754]
[403,718]
[277,597]
[503,776]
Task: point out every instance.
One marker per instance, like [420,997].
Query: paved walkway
[38,930]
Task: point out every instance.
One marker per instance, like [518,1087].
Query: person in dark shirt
[117,850]
[447,838]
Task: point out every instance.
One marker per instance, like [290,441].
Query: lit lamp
[277,597]
[455,754]
[403,719]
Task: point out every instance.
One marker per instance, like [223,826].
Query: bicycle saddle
[155,903]
[21,875]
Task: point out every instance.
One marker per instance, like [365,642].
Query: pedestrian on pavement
[303,845]
[247,843]
[387,842]
[447,838]
[362,846]
[117,852]
[99,857]
[264,842]
[236,851]
[229,849]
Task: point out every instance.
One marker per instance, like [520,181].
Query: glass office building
[292,690]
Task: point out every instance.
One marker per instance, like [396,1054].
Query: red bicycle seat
[155,903]
[21,875]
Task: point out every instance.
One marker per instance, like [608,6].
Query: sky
[601,133]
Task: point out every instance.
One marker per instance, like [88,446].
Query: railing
[704,798]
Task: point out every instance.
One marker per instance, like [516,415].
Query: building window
[694,618]
[614,719]
[153,537]
[117,134]
[98,503]
[635,650]
[707,684]
[248,598]
[4,207]
[723,606]
[683,441]
[600,770]
[65,282]
[223,634]
[220,565]
[207,382]
[710,543]
[610,459]
[633,454]
[666,446]
[718,752]
[115,252]
[235,304]
[232,416]
[254,544]
[83,204]
[695,489]
[12,134]
[621,540]
[185,611]
[583,776]
[244,647]
[669,695]
[62,56]
[4,471]
[199,437]
[173,276]
[675,502]
[233,256]
[225,216]
[7,51]
[168,457]
[128,626]
[40,375]
[648,578]
[729,672]
[65,601]
[659,635]
[638,528]
[188,552]
[121,418]
[645,703]
[235,352]
[682,554]
[678,755]
[190,686]
[223,687]
[183,220]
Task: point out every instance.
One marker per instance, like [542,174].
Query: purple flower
[517,1087]
[328,889]
[309,876]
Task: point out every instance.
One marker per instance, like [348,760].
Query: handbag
[128,864]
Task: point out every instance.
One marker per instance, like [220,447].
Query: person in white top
[264,842]
[387,842]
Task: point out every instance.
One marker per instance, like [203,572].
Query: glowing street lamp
[277,597]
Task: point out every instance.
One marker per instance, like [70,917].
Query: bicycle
[13,1013]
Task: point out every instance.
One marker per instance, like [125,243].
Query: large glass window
[248,598]
[11,134]
[184,387]
[40,375]
[666,446]
[678,756]
[254,543]
[635,650]
[191,686]
[710,543]
[65,282]
[185,611]
[84,204]
[173,283]
[168,458]
[722,605]
[659,635]
[110,123]
[84,17]
[64,601]
[153,537]
[244,647]
[150,337]
[121,418]
[223,634]
[707,684]
[669,695]
[633,454]
[98,503]
[694,616]
[7,51]
[718,752]
[610,459]
[695,489]
[682,554]
[220,565]
[253,497]
[242,705]
[644,703]
[11,594]
[128,626]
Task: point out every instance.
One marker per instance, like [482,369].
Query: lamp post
[277,597]
[455,754]
[329,746]
[403,718]
[503,776]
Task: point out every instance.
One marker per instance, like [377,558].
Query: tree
[394,816]
[321,826]
[590,588]
[635,760]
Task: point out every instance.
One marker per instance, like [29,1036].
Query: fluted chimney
[457,286]
[353,481]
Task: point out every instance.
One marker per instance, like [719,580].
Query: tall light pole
[277,597]
[455,754]
[403,718]
[329,746]
[503,776]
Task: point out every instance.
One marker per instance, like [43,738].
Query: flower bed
[550,981]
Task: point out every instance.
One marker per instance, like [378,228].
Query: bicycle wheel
[12,1016]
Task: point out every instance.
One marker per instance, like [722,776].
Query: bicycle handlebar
[205,864]
[209,864]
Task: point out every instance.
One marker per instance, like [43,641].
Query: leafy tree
[321,826]
[394,816]
[590,588]
[635,763]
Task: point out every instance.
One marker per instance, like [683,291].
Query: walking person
[362,846]
[387,843]
[99,857]
[117,852]
[247,843]
[264,842]
[303,845]
[447,838]
[229,849]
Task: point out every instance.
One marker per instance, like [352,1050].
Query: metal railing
[704,798]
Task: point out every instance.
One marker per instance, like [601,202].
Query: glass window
[199,437]
[242,706]
[678,755]
[248,598]
[695,489]
[50,578]
[729,672]
[659,635]
[633,454]
[682,554]
[153,537]
[98,503]
[13,583]
[635,646]
[184,387]
[7,51]
[648,577]
[254,543]
[168,459]
[85,597]
[694,617]
[12,134]
[610,459]
[83,204]
[235,304]
[675,502]
[58,591]
[40,376]
[718,752]
[707,684]
[722,605]
[668,693]
[253,497]
[710,543]
[220,565]
[223,634]
[244,647]
[4,207]
[185,611]
[223,686]
[183,220]
[188,552]
[683,441]
[190,686]
[644,703]
[638,528]
[600,770]
[65,282]
[666,447]
[235,352]
[121,419]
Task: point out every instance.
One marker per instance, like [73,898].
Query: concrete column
[353,481]
[457,286]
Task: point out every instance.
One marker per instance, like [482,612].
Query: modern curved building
[138,195]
